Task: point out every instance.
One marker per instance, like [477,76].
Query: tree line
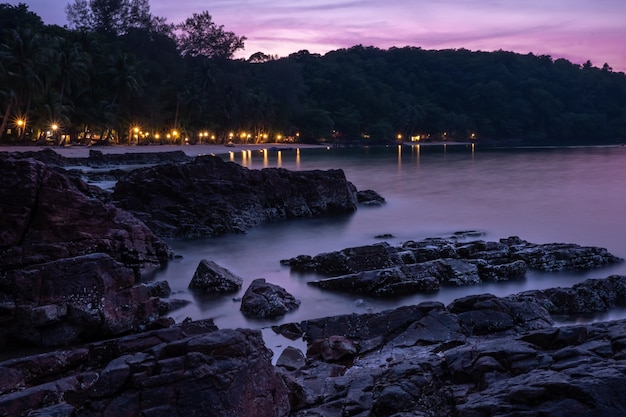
[118,74]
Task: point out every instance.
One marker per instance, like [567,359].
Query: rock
[587,297]
[210,197]
[382,270]
[291,359]
[332,349]
[210,278]
[48,216]
[381,283]
[369,198]
[183,370]
[559,256]
[265,300]
[347,261]
[74,300]
[479,356]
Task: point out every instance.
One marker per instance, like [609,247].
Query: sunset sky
[577,30]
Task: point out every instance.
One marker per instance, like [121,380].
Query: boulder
[48,215]
[265,300]
[210,197]
[73,300]
[369,198]
[210,278]
[184,370]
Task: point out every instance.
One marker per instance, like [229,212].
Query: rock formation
[210,197]
[425,266]
[479,356]
[48,215]
[73,300]
[70,265]
[190,369]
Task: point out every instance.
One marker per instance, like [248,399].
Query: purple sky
[573,29]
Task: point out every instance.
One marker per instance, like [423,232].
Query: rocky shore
[75,264]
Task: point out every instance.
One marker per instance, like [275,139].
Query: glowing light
[20,122]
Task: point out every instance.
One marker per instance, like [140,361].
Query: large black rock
[210,197]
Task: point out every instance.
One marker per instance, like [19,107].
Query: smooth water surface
[571,195]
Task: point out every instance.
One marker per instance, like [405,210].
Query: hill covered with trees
[119,74]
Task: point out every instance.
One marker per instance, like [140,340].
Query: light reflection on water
[573,195]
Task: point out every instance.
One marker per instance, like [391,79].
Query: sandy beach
[191,150]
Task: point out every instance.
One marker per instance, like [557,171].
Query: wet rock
[74,300]
[265,300]
[210,278]
[559,256]
[210,197]
[291,359]
[479,356]
[587,297]
[424,266]
[332,349]
[347,261]
[48,215]
[370,198]
[183,370]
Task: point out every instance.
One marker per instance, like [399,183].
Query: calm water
[574,195]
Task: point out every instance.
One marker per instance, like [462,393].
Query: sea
[542,195]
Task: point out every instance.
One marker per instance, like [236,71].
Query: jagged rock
[211,278]
[189,369]
[291,359]
[421,267]
[347,261]
[369,198]
[210,197]
[480,356]
[589,296]
[74,300]
[559,256]
[264,300]
[48,215]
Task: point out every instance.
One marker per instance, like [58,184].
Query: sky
[577,30]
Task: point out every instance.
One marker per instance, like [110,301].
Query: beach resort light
[279,137]
[399,136]
[20,123]
[54,127]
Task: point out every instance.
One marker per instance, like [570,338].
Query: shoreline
[81,151]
